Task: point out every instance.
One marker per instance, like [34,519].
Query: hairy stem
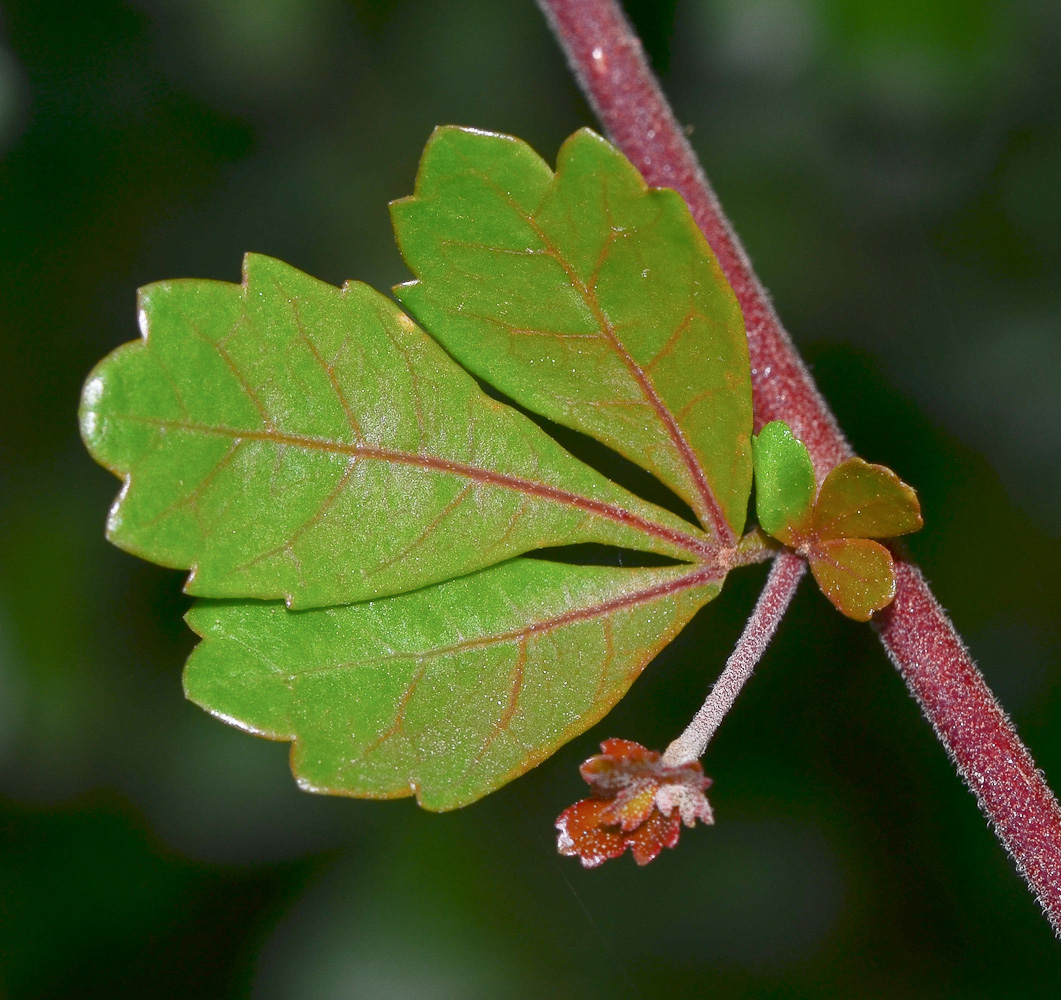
[978,735]
[610,64]
[785,574]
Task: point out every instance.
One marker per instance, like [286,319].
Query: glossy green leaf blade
[587,297]
[856,574]
[448,692]
[860,500]
[285,438]
[784,479]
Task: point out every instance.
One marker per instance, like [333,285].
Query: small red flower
[638,802]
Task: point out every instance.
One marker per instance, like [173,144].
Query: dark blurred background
[894,167]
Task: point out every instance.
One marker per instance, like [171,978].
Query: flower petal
[628,750]
[687,800]
[580,833]
[657,832]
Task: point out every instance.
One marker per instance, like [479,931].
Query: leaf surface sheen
[589,298]
[448,692]
[287,439]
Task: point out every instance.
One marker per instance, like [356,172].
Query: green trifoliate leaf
[448,692]
[589,298]
[284,438]
[784,479]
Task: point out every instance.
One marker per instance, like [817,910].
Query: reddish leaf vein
[704,548]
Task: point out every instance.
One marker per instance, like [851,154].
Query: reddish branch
[610,64]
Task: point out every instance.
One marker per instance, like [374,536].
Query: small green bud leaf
[784,480]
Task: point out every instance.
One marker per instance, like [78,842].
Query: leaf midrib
[704,549]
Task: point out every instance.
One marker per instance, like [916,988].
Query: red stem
[610,64]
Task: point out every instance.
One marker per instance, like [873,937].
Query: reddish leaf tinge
[857,502]
[638,802]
